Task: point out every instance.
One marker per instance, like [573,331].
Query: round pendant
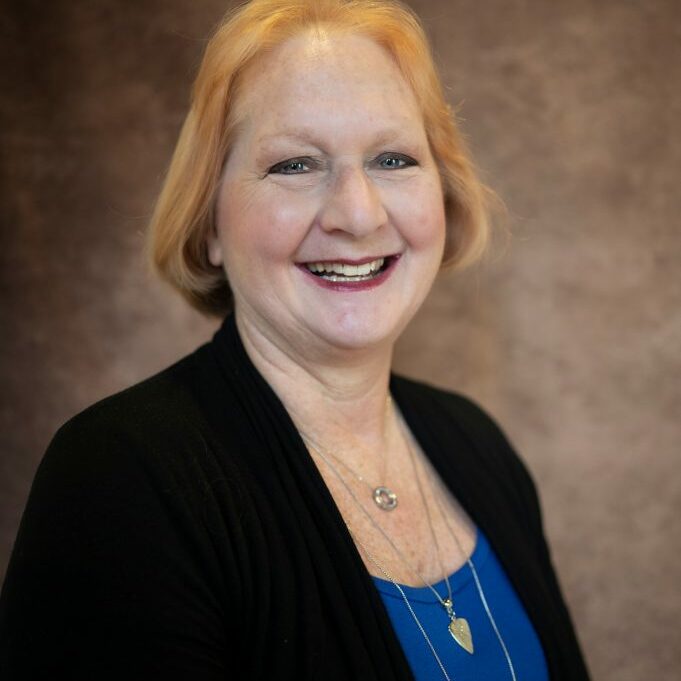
[385,498]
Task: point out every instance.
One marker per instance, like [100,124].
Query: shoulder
[484,444]
[164,413]
[126,537]
[140,468]
[445,407]
[158,405]
[148,440]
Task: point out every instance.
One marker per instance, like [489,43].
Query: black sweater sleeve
[109,577]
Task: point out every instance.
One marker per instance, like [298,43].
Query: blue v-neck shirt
[488,662]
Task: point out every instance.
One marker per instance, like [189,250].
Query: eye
[391,161]
[294,166]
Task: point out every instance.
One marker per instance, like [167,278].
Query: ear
[214,248]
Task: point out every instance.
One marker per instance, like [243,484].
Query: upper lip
[347,261]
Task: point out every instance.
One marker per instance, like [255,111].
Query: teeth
[336,268]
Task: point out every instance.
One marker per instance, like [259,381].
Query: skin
[332,163]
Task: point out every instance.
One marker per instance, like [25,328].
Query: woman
[278,502]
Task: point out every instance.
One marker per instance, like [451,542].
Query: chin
[349,332]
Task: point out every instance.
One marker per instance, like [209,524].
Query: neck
[328,396]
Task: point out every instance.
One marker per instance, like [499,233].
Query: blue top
[488,662]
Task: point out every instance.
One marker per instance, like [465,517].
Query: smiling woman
[278,502]
[342,192]
[237,64]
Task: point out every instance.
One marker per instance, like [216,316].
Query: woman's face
[330,220]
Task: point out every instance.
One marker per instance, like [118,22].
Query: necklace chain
[374,523]
[447,603]
[469,562]
[406,602]
[383,496]
[481,593]
[430,520]
[382,569]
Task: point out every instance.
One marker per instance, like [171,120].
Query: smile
[347,276]
[344,272]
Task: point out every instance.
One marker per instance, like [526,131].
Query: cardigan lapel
[479,489]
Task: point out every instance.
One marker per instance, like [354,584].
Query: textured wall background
[572,339]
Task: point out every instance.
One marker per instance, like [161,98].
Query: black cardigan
[180,529]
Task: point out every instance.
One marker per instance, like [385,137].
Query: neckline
[458,580]
[430,414]
[240,368]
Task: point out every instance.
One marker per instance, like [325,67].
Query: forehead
[320,83]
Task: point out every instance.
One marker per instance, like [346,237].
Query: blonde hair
[184,212]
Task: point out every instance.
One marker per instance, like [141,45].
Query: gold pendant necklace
[458,627]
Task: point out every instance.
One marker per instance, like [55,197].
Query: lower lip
[352,286]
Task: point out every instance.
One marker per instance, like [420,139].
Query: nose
[353,204]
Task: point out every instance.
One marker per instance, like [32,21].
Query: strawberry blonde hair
[184,212]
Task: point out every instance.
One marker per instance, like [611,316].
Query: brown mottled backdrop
[572,339]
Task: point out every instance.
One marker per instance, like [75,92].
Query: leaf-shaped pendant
[461,633]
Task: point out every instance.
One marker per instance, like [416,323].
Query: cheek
[422,216]
[264,224]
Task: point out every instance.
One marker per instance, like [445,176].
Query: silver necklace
[444,602]
[384,497]
[458,626]
[469,562]
[406,602]
[481,593]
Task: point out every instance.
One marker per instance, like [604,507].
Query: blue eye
[395,161]
[292,167]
